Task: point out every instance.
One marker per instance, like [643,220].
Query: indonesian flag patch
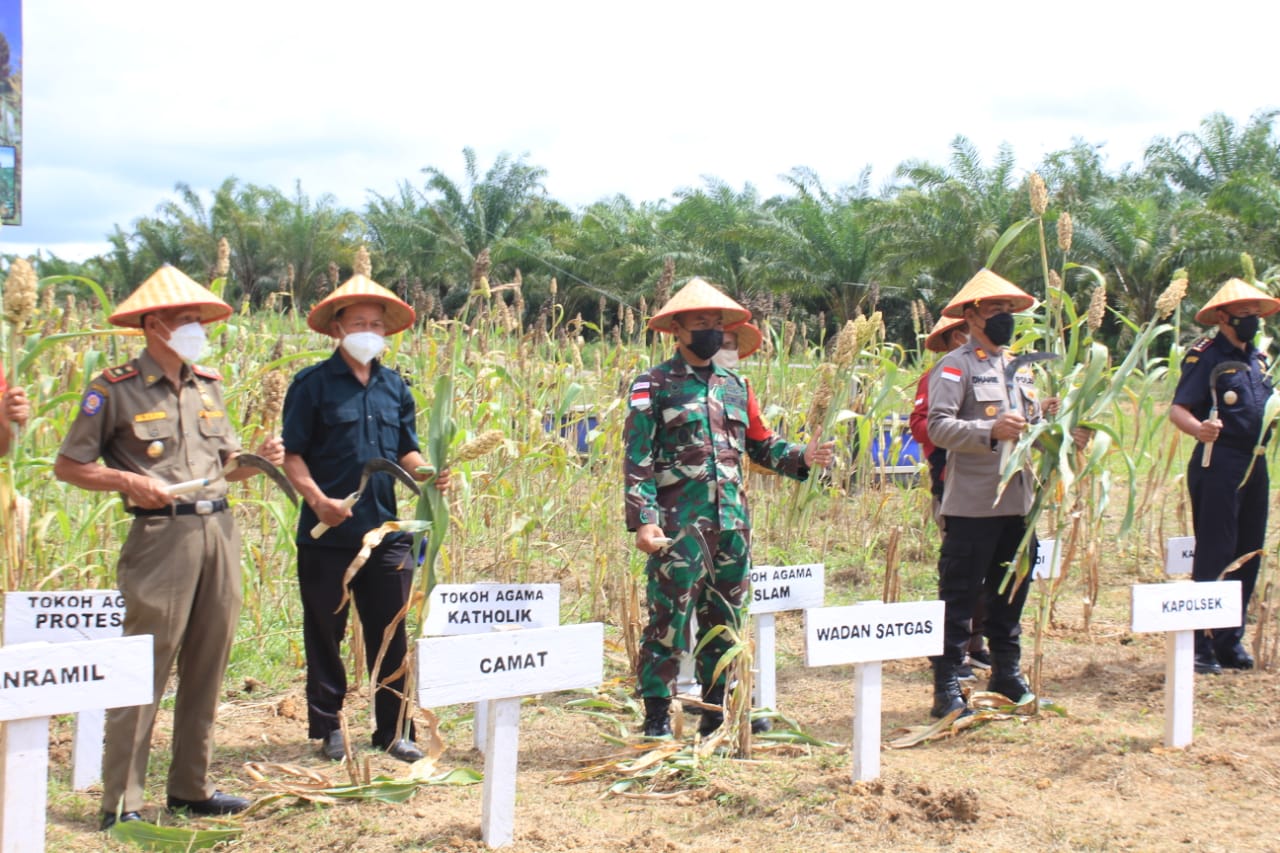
[640,394]
[952,373]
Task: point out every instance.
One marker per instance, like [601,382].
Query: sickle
[1214,376]
[241,460]
[373,466]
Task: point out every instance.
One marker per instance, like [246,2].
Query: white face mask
[364,347]
[188,341]
[726,358]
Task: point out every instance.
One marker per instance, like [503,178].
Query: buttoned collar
[338,366]
[1227,348]
[152,372]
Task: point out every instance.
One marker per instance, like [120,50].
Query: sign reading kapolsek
[62,617]
[872,632]
[1185,606]
[778,588]
[481,607]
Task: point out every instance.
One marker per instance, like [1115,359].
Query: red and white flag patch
[952,374]
[640,394]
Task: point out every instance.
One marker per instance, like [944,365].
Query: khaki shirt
[966,395]
[134,420]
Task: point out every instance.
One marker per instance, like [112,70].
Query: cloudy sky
[125,99]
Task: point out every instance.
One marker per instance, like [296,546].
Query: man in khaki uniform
[159,420]
[969,416]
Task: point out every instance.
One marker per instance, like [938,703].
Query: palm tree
[308,236]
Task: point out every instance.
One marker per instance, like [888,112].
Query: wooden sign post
[477,608]
[64,617]
[865,635]
[1178,609]
[505,666]
[38,680]
[775,589]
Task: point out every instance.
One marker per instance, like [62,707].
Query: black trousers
[1229,521]
[379,590]
[971,569]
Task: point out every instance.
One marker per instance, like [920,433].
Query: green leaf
[149,836]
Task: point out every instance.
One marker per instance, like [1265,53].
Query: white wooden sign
[480,607]
[775,589]
[778,588]
[38,680]
[1181,553]
[504,666]
[865,635]
[872,632]
[1048,565]
[1179,608]
[1184,606]
[61,617]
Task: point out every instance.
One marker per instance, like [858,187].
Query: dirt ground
[1096,779]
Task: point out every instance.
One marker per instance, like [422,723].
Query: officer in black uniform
[1230,519]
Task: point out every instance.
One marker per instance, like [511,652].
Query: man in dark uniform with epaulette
[155,421]
[687,431]
[1230,518]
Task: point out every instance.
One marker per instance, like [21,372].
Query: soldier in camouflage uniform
[687,430]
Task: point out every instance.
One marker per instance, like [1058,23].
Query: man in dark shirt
[338,415]
[1230,519]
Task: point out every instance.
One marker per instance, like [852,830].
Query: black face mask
[999,328]
[1246,328]
[705,343]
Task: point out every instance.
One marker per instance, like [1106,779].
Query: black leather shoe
[333,748]
[219,803]
[657,717]
[1235,658]
[404,750]
[760,725]
[109,819]
[964,672]
[1207,664]
[981,659]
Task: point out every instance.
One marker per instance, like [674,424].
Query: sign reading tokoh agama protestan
[872,632]
[60,617]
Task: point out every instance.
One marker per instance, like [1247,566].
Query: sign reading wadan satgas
[873,631]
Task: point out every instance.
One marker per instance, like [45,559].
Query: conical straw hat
[988,285]
[1234,291]
[749,338]
[399,316]
[937,339]
[698,295]
[168,287]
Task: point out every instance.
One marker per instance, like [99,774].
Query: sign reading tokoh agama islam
[778,588]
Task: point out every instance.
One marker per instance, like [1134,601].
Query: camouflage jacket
[685,439]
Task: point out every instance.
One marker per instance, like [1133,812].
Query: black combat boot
[947,695]
[712,720]
[1206,661]
[1006,677]
[657,717]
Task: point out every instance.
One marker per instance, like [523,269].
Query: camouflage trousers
[678,587]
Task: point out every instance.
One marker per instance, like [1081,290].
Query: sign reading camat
[778,588]
[61,617]
[872,632]
[503,664]
[481,607]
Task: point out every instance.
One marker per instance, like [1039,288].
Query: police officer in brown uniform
[969,416]
[159,420]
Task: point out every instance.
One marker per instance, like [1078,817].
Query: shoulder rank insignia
[1202,344]
[121,373]
[206,372]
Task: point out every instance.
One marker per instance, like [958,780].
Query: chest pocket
[161,429]
[736,417]
[990,400]
[389,431]
[215,426]
[680,429]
